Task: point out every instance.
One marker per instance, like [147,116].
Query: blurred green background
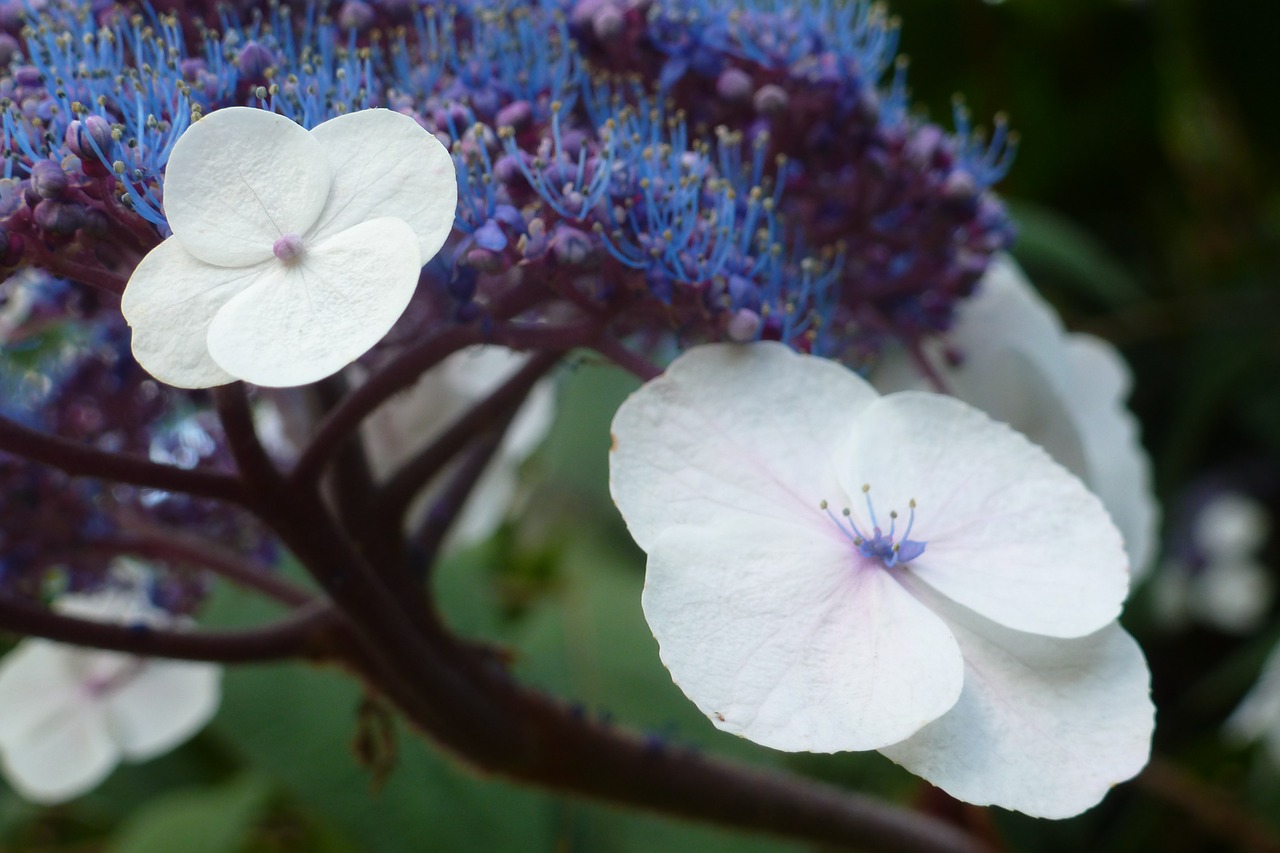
[1148,197]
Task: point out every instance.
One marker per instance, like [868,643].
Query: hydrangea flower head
[832,570]
[293,251]
[69,715]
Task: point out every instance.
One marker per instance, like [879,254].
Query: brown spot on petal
[613,442]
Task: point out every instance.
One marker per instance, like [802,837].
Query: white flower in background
[413,419]
[834,570]
[1258,716]
[293,252]
[1218,578]
[1066,392]
[69,715]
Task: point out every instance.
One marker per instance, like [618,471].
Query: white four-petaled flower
[293,252]
[69,715]
[830,569]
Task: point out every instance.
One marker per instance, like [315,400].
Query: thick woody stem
[464,700]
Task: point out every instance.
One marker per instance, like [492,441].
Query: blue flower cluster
[721,168]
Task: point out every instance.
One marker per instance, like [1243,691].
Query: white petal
[1010,533]
[780,636]
[238,180]
[732,429]
[303,321]
[385,164]
[169,302]
[1259,714]
[475,372]
[37,683]
[1118,468]
[162,705]
[1043,726]
[54,743]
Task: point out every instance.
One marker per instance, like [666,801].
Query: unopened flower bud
[734,85]
[355,15]
[771,100]
[48,180]
[572,247]
[607,22]
[27,76]
[483,260]
[960,187]
[58,217]
[254,60]
[517,114]
[743,326]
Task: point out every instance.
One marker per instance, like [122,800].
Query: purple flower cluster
[717,169]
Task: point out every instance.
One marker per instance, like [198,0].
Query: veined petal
[779,635]
[1043,726]
[1010,533]
[303,321]
[732,429]
[385,164]
[238,180]
[161,706]
[169,303]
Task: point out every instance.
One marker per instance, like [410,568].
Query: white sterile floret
[831,570]
[413,419]
[1258,716]
[293,252]
[1066,392]
[69,715]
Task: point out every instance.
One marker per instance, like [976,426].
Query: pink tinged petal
[162,705]
[1119,470]
[240,179]
[781,636]
[732,430]
[385,164]
[54,744]
[1044,726]
[303,321]
[1010,533]
[169,302]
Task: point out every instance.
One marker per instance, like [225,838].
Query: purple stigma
[287,247]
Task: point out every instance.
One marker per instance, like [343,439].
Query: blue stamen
[880,545]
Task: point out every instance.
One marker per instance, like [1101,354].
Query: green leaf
[1052,247]
[204,820]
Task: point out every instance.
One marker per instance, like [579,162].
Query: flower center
[287,247]
[879,544]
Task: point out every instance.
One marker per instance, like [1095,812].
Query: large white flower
[1066,392]
[69,715]
[293,252]
[834,570]
[414,418]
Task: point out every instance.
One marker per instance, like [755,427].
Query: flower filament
[879,544]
